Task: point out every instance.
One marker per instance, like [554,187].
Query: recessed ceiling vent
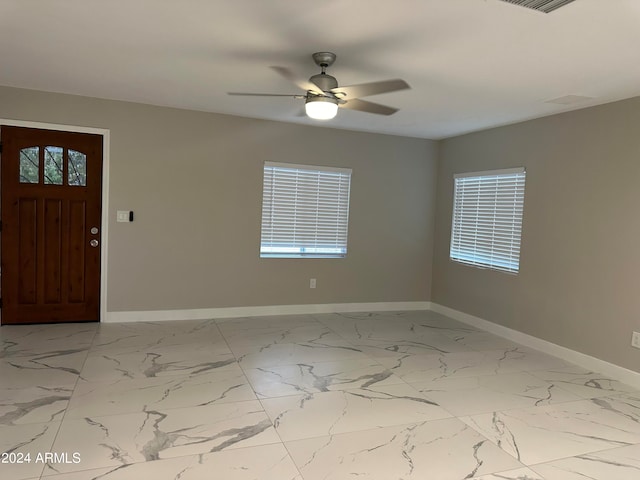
[545,6]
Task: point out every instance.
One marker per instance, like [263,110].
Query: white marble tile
[407,344]
[42,340]
[223,385]
[582,382]
[265,336]
[47,370]
[152,362]
[130,337]
[379,324]
[34,404]
[169,399]
[442,449]
[153,434]
[23,440]
[616,464]
[480,341]
[362,325]
[230,326]
[518,474]
[523,359]
[265,462]
[424,368]
[546,433]
[627,405]
[295,353]
[367,325]
[278,381]
[327,413]
[490,393]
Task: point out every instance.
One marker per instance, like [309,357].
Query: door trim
[105,133]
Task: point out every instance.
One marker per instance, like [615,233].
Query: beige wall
[579,283]
[194,181]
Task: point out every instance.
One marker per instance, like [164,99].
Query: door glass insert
[53,165]
[30,165]
[77,168]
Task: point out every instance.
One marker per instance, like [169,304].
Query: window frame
[296,234]
[493,206]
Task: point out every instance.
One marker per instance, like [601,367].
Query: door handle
[94,243]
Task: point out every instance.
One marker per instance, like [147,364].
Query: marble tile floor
[379,396]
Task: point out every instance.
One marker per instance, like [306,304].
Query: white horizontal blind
[487,219]
[305,211]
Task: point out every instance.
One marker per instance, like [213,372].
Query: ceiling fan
[323,95]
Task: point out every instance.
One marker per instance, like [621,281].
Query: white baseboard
[586,361]
[234,312]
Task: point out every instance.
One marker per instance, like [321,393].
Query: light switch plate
[123,216]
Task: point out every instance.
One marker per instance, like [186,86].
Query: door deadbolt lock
[94,230]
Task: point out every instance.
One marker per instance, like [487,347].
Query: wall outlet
[635,339]
[312,283]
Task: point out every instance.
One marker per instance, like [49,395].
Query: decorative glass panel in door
[30,165]
[53,165]
[77,168]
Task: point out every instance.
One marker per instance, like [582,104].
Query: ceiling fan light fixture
[321,108]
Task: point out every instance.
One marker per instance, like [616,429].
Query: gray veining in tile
[26,440]
[583,383]
[34,404]
[153,362]
[49,370]
[285,380]
[44,340]
[518,474]
[127,396]
[156,434]
[264,462]
[615,464]
[442,449]
[328,413]
[542,434]
[490,393]
[372,395]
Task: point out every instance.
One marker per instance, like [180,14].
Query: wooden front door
[51,225]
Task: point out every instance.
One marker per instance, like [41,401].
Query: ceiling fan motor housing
[324,81]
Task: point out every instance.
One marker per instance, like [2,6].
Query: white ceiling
[472,64]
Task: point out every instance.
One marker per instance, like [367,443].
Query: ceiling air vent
[545,6]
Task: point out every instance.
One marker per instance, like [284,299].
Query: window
[487,219]
[305,211]
[54,161]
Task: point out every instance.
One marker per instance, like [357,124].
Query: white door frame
[105,133]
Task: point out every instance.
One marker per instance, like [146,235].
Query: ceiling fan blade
[369,107]
[300,82]
[373,88]
[292,95]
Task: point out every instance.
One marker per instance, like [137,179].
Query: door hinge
[0,302]
[0,147]
[0,225]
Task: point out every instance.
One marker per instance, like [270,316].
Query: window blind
[487,219]
[305,211]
